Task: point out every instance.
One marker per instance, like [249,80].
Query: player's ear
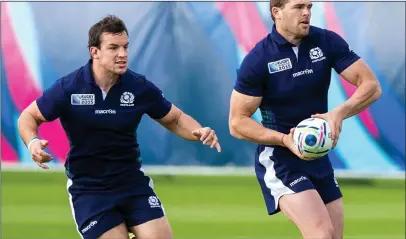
[94,52]
[276,13]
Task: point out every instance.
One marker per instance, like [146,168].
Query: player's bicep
[171,118]
[358,72]
[242,105]
[34,111]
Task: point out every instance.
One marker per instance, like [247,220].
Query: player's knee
[157,232]
[166,234]
[325,233]
[338,233]
[322,230]
[338,236]
[153,236]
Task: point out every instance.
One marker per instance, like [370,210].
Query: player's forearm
[27,126]
[363,97]
[184,127]
[248,129]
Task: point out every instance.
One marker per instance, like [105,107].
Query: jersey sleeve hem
[165,108]
[248,92]
[43,109]
[346,62]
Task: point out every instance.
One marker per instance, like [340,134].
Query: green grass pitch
[35,205]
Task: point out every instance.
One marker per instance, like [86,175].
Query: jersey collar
[278,38]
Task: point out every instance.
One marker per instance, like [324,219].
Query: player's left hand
[335,121]
[208,137]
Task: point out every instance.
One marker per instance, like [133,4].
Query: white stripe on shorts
[69,183]
[274,184]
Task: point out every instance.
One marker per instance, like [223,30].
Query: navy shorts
[276,180]
[96,213]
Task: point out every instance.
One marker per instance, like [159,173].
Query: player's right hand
[289,143]
[38,155]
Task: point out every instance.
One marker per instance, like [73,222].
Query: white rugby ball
[312,137]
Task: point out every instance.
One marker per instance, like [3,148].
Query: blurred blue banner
[191,50]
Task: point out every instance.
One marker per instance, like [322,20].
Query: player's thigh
[292,192]
[93,224]
[145,216]
[308,212]
[155,229]
[94,214]
[336,211]
[331,195]
[278,179]
[117,232]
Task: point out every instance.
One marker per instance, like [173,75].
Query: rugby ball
[312,137]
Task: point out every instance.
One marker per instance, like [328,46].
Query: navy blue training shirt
[101,131]
[293,83]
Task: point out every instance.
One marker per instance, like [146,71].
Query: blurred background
[191,50]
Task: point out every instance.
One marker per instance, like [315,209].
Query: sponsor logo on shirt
[316,55]
[127,99]
[105,112]
[82,99]
[304,72]
[281,65]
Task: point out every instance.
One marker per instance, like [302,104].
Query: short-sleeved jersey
[101,128]
[293,82]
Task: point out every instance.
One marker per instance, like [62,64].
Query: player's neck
[103,78]
[289,36]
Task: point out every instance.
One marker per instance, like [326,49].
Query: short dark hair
[276,3]
[109,24]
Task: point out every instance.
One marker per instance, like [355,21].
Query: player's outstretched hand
[335,121]
[287,140]
[208,137]
[38,155]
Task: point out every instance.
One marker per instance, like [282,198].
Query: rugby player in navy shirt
[100,106]
[287,76]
